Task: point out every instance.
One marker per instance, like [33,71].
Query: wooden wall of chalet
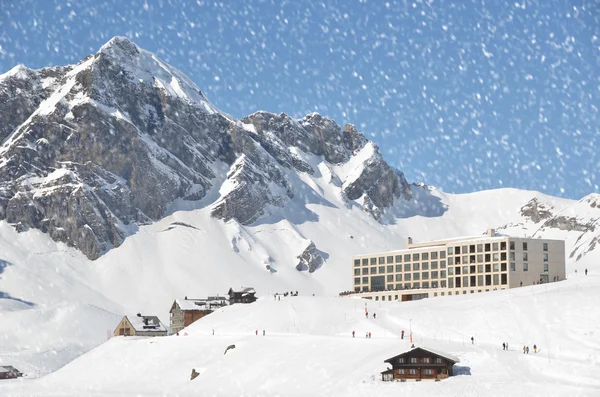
[418,364]
[192,315]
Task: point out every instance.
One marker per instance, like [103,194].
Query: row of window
[414,360]
[478,281]
[399,286]
[407,267]
[408,276]
[465,249]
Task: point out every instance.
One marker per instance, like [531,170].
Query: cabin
[418,364]
[9,372]
[244,296]
[186,311]
[139,325]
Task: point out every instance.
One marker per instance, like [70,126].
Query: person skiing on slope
[503,346]
[527,350]
[472,340]
[402,335]
[524,348]
[353,334]
[374,315]
[534,348]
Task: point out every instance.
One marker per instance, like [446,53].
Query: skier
[521,283]
[374,315]
[369,335]
[586,272]
[263,332]
[507,346]
[503,346]
[527,350]
[367,315]
[524,348]
[472,340]
[353,334]
[534,348]
[256,332]
[402,335]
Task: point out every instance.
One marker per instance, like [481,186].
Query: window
[451,271]
[412,371]
[479,258]
[545,257]
[388,377]
[442,254]
[373,261]
[390,259]
[390,269]
[488,257]
[524,246]
[450,260]
[398,258]
[488,268]
[496,279]
[425,284]
[416,285]
[525,267]
[356,280]
[381,260]
[479,268]
[443,285]
[434,265]
[480,280]
[425,275]
[381,269]
[503,266]
[545,267]
[434,255]
[434,274]
[416,276]
[365,280]
[471,258]
[438,360]
[407,267]
[401,360]
[465,269]
[443,274]
[487,247]
[450,251]
[425,265]
[434,284]
[472,269]
[457,270]
[425,256]
[428,372]
[390,278]
[495,256]
[457,250]
[465,249]
[357,262]
[413,360]
[512,266]
[525,256]
[407,277]
[495,246]
[545,246]
[503,256]
[398,268]
[442,264]
[415,257]
[503,279]
[450,283]
[426,360]
[365,262]
[465,259]
[401,371]
[488,280]
[398,277]
[512,256]
[472,248]
[406,257]
[512,245]
[357,272]
[416,266]
[373,270]
[496,267]
[479,247]
[503,245]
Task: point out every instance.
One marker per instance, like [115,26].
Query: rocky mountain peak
[89,152]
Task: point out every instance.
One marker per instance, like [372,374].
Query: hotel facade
[458,266]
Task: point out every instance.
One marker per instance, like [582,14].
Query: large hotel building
[458,266]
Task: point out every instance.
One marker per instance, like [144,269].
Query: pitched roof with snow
[201,304]
[152,324]
[429,350]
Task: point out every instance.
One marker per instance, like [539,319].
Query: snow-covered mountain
[123,188]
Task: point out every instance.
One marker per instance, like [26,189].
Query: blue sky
[463,95]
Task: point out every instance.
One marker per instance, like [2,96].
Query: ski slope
[308,349]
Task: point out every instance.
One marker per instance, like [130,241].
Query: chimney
[145,320]
[491,232]
[139,315]
[408,242]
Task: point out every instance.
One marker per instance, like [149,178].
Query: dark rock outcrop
[310,259]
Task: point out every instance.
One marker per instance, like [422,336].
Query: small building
[186,311]
[419,363]
[9,372]
[244,296]
[139,325]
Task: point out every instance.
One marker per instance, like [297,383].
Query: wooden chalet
[9,372]
[139,325]
[244,296]
[185,311]
[418,364]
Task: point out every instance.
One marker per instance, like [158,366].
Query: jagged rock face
[132,144]
[536,211]
[90,151]
[310,259]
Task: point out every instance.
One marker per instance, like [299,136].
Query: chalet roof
[244,292]
[200,304]
[154,324]
[429,350]
[8,368]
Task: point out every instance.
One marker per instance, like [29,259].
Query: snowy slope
[308,349]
